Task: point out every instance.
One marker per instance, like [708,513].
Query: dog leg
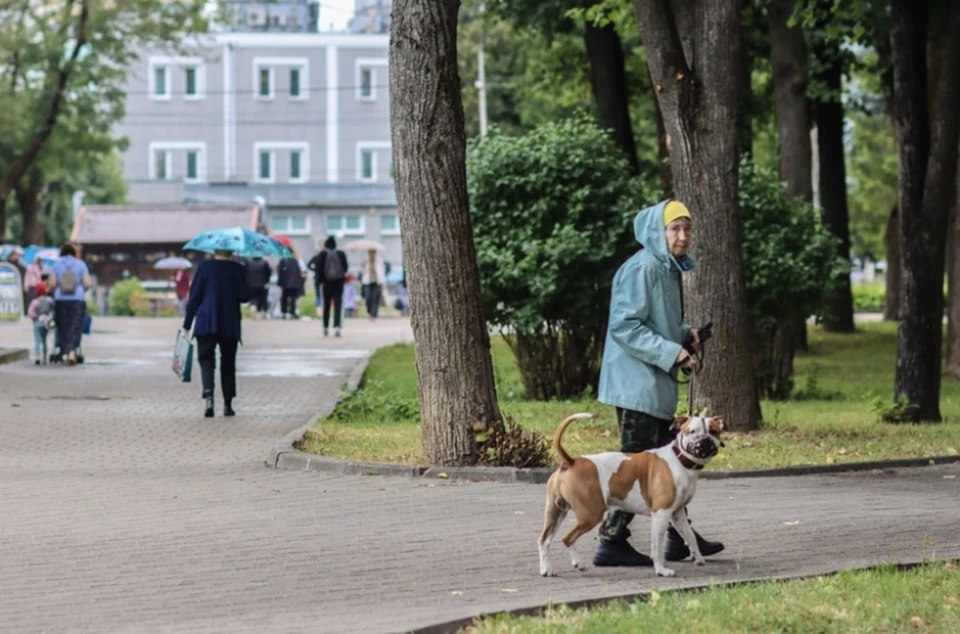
[553,516]
[583,525]
[659,523]
[682,523]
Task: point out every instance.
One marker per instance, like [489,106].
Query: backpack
[44,313]
[67,281]
[333,267]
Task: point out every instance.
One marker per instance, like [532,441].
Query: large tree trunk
[891,298]
[928,169]
[455,373]
[833,188]
[663,148]
[30,197]
[953,291]
[746,101]
[788,57]
[608,78]
[697,85]
[3,217]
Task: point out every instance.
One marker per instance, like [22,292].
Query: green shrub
[551,214]
[127,299]
[869,298]
[790,264]
[308,305]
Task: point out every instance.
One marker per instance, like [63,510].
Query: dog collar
[684,460]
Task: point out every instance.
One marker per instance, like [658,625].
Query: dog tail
[567,460]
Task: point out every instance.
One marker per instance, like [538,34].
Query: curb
[12,355]
[456,625]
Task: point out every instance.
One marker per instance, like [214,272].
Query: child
[41,312]
[349,295]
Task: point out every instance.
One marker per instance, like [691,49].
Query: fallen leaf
[842,452]
[794,523]
[443,474]
[747,444]
[917,622]
[831,460]
[456,592]
[952,450]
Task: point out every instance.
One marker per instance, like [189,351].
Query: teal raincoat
[646,324]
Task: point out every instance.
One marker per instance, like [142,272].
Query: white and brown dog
[659,483]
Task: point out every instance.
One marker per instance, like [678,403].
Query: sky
[337,12]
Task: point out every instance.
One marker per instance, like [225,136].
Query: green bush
[127,299]
[308,305]
[869,298]
[551,213]
[790,264]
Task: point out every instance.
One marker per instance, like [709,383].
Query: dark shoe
[677,548]
[619,553]
[208,412]
[228,409]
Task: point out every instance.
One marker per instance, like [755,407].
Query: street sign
[11,293]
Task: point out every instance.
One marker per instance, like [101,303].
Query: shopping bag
[182,357]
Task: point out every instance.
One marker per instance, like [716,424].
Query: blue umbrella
[242,242]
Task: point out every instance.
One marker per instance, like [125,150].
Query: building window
[265,83]
[161,89]
[161,167]
[389,225]
[192,166]
[368,165]
[295,165]
[295,82]
[290,224]
[348,225]
[366,84]
[265,165]
[190,82]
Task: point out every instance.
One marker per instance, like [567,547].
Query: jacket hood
[331,243]
[652,235]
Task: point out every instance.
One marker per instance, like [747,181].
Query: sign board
[11,292]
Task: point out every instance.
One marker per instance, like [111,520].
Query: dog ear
[679,422]
[717,425]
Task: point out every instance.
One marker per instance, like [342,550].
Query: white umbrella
[172,264]
[365,245]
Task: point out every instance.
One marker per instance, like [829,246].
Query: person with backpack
[258,276]
[330,270]
[41,312]
[70,279]
[290,279]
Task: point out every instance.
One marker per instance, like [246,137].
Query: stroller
[57,356]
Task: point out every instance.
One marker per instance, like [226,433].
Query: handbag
[183,357]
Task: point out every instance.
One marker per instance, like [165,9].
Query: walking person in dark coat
[290,280]
[258,276]
[218,290]
[330,270]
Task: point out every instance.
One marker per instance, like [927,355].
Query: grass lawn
[924,599]
[839,379]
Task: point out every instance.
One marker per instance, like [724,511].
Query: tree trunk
[928,169]
[608,78]
[3,215]
[788,57]
[30,193]
[698,96]
[953,291]
[455,373]
[833,189]
[746,101]
[663,149]
[891,299]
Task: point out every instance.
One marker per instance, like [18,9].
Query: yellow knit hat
[674,210]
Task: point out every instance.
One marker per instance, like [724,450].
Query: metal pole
[481,82]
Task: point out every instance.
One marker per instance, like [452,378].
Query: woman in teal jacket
[641,358]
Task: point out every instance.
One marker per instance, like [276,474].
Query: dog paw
[579,565]
[701,561]
[548,572]
[666,572]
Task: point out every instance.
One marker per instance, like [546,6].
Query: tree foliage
[551,213]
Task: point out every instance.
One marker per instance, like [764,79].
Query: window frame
[288,229]
[344,230]
[390,232]
[152,88]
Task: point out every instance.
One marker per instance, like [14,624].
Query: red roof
[156,224]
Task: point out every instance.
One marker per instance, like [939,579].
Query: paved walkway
[125,511]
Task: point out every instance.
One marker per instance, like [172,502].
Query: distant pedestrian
[41,311]
[258,277]
[32,277]
[181,288]
[349,295]
[218,290]
[290,279]
[71,279]
[330,268]
[374,275]
[15,258]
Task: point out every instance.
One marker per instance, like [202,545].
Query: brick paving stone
[126,511]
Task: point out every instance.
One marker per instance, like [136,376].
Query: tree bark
[608,78]
[833,190]
[746,101]
[454,369]
[663,148]
[698,94]
[928,169]
[953,291]
[891,299]
[30,193]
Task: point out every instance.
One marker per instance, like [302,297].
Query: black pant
[69,316]
[288,301]
[638,432]
[207,356]
[332,294]
[371,294]
[258,296]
